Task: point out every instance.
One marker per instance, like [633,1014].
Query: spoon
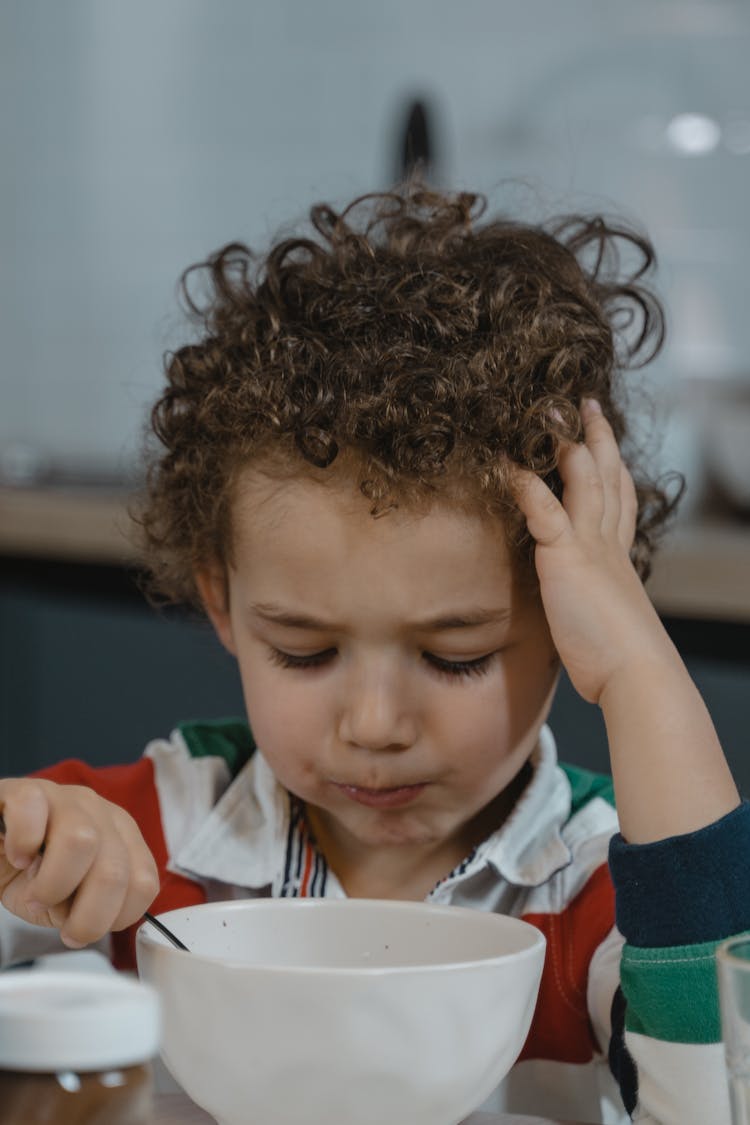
[163,930]
[147,917]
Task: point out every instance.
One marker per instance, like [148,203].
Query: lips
[383,798]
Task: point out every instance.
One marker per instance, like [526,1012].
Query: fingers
[96,873]
[599,498]
[619,494]
[591,473]
[546,518]
[143,883]
[100,898]
[628,510]
[25,816]
[599,494]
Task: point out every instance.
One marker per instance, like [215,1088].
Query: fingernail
[592,405]
[72,943]
[20,862]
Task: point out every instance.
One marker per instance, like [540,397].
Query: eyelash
[455,668]
[451,668]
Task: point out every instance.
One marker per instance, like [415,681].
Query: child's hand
[598,612]
[669,771]
[95,873]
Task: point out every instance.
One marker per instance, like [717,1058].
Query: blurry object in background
[127,156]
[692,134]
[727,444]
[86,523]
[21,464]
[672,429]
[416,155]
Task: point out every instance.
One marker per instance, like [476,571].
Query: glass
[733,965]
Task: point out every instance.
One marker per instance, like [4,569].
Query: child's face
[395,675]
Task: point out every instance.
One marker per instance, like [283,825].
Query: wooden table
[177,1109]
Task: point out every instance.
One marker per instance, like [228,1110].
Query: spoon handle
[163,930]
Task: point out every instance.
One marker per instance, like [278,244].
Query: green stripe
[230,739]
[672,993]
[585,785]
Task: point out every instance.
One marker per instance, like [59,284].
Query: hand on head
[599,614]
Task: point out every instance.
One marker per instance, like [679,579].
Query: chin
[395,830]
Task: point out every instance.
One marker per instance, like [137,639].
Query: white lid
[52,1021]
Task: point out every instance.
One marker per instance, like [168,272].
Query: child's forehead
[299,541]
[264,497]
[320,523]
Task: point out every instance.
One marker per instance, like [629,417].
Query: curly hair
[431,349]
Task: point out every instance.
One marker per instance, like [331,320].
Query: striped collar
[256,837]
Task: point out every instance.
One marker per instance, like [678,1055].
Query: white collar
[244,839]
[528,848]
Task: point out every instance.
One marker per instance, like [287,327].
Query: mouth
[385,798]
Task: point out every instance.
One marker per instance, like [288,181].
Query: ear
[213,588]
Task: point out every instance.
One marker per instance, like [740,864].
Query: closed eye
[313,660]
[476,667]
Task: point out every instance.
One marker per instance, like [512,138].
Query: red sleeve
[561,1028]
[133,788]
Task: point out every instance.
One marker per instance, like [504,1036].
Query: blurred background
[137,138]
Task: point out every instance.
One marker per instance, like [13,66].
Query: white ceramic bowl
[353,1012]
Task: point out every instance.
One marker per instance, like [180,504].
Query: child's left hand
[599,614]
[668,767]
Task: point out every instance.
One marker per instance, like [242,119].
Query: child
[390,471]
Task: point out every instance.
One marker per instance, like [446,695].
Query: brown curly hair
[428,348]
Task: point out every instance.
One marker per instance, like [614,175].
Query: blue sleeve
[685,889]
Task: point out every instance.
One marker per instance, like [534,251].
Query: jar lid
[59,1020]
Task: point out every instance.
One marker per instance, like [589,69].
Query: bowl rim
[156,942]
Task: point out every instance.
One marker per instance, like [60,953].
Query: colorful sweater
[627,1017]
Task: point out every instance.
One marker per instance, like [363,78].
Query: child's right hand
[94,874]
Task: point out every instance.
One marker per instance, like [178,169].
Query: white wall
[138,136]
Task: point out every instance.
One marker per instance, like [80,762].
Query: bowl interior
[352,934]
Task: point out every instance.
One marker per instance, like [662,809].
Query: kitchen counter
[176,1109]
[86,525]
[701,571]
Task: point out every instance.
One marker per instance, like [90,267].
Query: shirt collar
[243,840]
[528,848]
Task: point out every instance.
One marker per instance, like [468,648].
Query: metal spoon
[147,917]
[163,930]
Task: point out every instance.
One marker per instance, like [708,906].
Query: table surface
[176,1109]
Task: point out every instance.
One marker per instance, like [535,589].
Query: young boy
[390,471]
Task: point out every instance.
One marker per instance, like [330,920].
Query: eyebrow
[467,619]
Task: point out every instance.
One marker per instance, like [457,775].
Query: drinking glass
[733,965]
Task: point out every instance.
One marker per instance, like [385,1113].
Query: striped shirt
[626,1021]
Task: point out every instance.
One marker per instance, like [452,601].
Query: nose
[377,713]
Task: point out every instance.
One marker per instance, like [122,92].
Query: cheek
[475,716]
[530,684]
[285,715]
[513,701]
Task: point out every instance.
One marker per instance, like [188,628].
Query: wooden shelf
[83,525]
[703,570]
